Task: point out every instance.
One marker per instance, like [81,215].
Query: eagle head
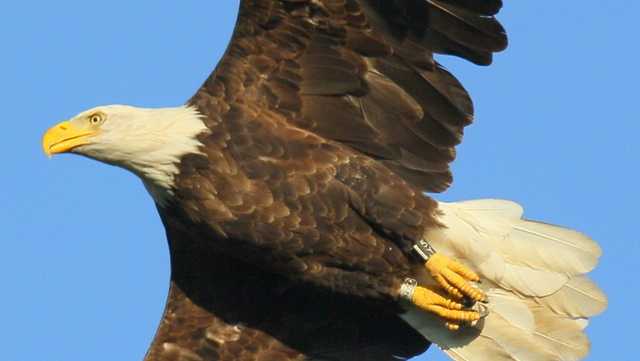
[148,142]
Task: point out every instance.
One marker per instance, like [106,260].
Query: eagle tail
[539,299]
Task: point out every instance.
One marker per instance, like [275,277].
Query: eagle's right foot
[451,311]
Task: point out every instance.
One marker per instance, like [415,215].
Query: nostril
[63,127]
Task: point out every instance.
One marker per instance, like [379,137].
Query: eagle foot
[454,278]
[453,313]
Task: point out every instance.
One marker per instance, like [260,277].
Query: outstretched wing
[361,72]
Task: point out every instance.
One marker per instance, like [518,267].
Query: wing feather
[362,73]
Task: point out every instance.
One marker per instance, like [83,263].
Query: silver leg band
[424,249]
[408,287]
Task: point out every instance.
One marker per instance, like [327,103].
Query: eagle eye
[96,119]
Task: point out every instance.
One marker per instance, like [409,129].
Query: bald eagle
[292,190]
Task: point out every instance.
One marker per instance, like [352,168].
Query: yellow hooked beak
[63,137]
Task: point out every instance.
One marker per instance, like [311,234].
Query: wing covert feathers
[361,73]
[540,299]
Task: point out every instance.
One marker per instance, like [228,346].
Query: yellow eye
[96,119]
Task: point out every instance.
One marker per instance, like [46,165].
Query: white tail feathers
[533,274]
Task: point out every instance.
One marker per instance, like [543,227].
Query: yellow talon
[424,297]
[453,277]
[450,310]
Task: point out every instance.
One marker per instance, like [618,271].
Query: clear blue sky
[84,264]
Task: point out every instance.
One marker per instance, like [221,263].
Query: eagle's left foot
[454,277]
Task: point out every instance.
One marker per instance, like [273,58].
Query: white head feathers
[148,142]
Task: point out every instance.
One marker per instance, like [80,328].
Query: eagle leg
[451,311]
[454,277]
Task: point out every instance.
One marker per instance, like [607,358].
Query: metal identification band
[424,249]
[408,287]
